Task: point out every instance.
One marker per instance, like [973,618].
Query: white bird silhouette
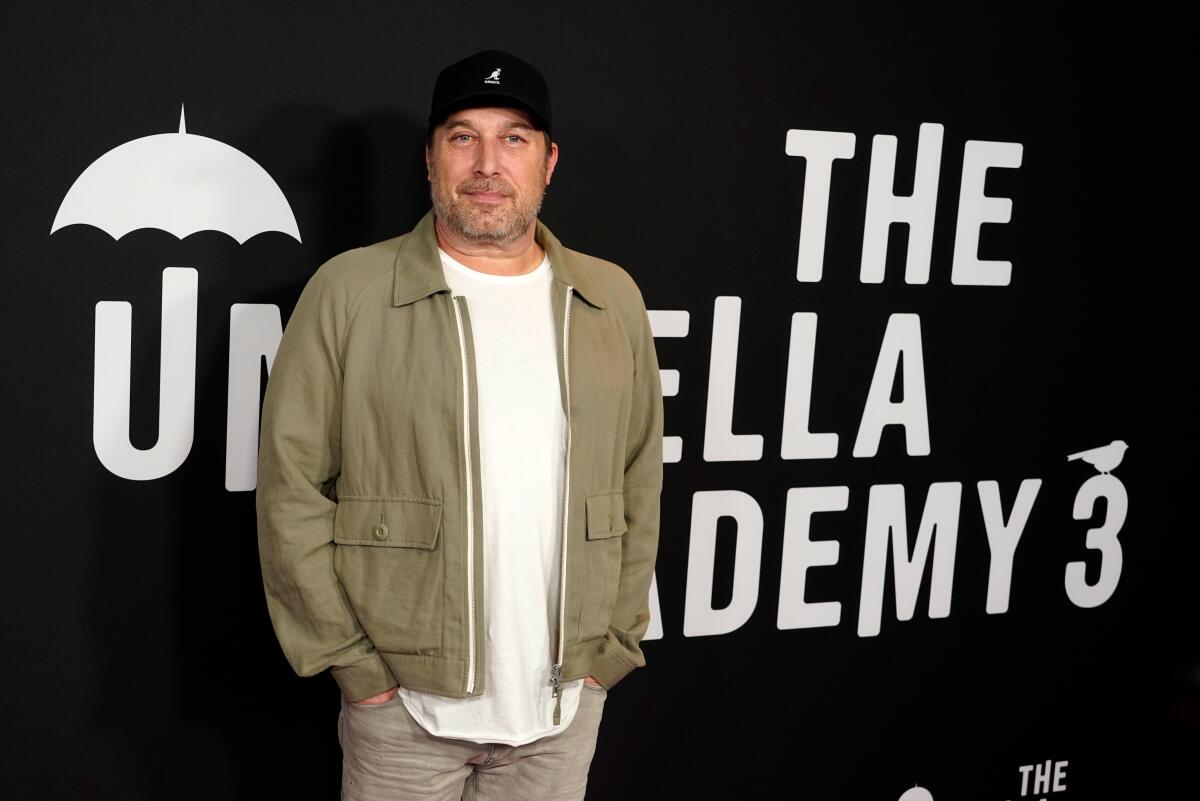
[1105,458]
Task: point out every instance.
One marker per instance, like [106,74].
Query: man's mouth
[487,197]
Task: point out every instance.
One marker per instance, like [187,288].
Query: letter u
[176,381]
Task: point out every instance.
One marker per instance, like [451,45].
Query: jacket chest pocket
[389,557]
[605,528]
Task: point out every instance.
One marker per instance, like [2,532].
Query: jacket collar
[418,268]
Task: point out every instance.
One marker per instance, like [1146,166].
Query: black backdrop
[139,661]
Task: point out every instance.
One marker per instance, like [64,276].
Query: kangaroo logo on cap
[494,77]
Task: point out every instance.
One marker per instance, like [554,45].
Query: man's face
[488,169]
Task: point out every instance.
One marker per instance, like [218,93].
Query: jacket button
[381,531]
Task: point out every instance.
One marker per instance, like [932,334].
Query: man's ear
[551,161]
[428,177]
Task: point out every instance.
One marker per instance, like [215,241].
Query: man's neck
[515,258]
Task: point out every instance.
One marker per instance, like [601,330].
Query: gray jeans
[387,755]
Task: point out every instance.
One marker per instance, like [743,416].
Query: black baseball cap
[491,78]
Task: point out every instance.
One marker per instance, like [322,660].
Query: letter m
[939,525]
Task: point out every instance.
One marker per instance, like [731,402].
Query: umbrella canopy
[180,183]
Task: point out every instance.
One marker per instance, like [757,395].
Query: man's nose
[487,156]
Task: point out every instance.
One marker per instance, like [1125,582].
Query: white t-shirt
[522,443]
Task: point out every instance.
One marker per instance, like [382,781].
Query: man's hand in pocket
[382,698]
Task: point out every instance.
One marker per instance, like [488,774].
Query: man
[459,472]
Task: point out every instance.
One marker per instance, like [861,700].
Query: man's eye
[459,137]
[514,138]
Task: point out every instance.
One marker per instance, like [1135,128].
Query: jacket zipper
[462,346]
[556,669]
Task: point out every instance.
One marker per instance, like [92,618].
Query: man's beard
[499,224]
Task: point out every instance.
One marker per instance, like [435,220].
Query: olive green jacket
[369,507]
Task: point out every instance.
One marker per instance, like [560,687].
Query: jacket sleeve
[620,651]
[299,461]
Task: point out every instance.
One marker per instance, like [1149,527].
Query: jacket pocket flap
[605,514]
[387,522]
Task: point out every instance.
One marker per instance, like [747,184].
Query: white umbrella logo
[180,183]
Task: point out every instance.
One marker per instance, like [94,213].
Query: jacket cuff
[364,679]
[609,665]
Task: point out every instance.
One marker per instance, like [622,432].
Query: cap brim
[480,99]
